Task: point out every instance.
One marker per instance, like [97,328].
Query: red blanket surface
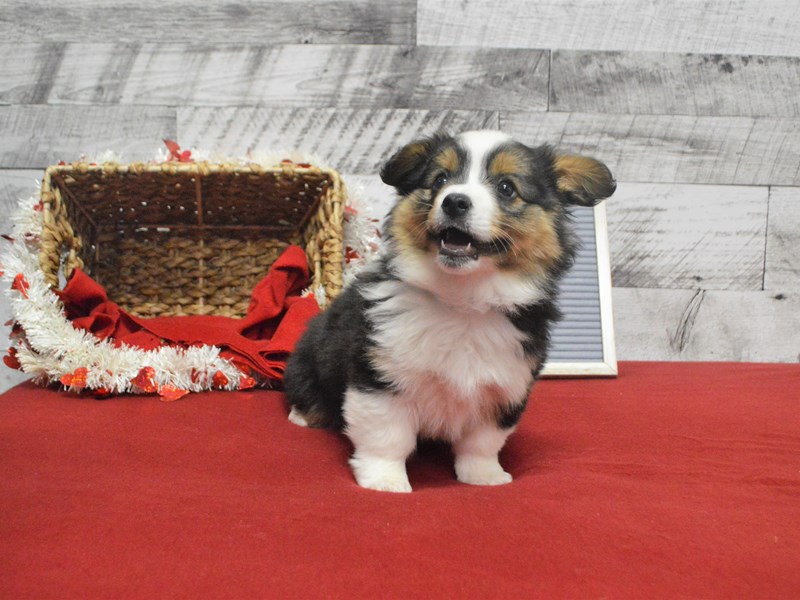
[261,341]
[672,481]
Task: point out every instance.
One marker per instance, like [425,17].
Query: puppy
[444,334]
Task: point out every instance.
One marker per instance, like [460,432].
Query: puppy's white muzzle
[469,207]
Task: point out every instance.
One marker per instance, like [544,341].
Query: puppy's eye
[439,182]
[506,189]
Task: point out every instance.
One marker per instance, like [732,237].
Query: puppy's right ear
[406,168]
[583,180]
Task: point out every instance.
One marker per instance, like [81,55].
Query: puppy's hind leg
[309,404]
[296,417]
[384,435]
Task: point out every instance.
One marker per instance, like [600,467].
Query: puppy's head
[481,200]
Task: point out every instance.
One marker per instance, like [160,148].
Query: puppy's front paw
[476,470]
[381,475]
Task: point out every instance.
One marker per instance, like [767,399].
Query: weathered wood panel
[673,149]
[687,236]
[36,136]
[16,185]
[714,26]
[241,22]
[355,141]
[675,84]
[715,325]
[783,241]
[277,76]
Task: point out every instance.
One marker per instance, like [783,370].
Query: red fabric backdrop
[674,480]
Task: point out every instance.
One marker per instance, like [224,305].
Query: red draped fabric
[260,341]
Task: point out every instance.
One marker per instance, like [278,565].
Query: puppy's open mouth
[457,244]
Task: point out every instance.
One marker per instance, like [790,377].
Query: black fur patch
[332,355]
[536,322]
[509,415]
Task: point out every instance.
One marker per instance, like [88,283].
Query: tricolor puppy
[444,334]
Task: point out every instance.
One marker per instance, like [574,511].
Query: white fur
[478,145]
[468,351]
[483,213]
[384,435]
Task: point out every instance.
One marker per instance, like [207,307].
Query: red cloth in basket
[260,341]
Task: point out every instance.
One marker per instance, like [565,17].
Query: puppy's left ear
[583,180]
[406,168]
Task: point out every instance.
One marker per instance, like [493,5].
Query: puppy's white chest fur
[452,367]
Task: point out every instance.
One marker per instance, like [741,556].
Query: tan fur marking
[414,150]
[508,163]
[408,225]
[534,242]
[582,174]
[448,159]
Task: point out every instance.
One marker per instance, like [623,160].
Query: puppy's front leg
[476,455]
[384,436]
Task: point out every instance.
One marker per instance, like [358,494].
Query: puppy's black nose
[456,205]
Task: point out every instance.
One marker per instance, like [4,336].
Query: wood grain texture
[241,22]
[675,84]
[673,149]
[664,324]
[713,26]
[276,76]
[782,271]
[687,236]
[352,141]
[16,185]
[37,136]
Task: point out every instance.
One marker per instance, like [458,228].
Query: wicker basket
[189,238]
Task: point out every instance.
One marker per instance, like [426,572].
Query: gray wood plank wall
[694,105]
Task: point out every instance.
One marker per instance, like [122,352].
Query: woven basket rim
[199,167]
[323,243]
